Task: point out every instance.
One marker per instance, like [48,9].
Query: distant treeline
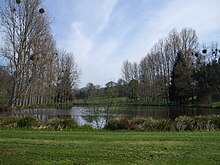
[177,69]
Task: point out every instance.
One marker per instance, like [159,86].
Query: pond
[82,115]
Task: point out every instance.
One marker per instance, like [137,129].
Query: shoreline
[151,104]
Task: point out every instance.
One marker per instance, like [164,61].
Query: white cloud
[78,41]
[104,33]
[200,15]
[104,13]
[82,40]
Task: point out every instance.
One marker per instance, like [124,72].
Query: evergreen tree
[208,77]
[180,87]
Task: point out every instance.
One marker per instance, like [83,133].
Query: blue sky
[104,33]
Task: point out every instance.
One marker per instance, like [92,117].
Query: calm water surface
[157,112]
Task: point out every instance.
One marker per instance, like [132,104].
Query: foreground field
[106,147]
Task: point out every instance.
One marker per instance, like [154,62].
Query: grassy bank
[108,147]
[181,123]
[118,101]
[127,102]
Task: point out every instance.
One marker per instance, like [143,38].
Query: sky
[104,33]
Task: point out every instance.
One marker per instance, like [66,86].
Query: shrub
[215,120]
[69,123]
[148,124]
[181,123]
[184,123]
[141,123]
[140,120]
[4,106]
[163,125]
[60,124]
[27,122]
[118,124]
[203,123]
[209,123]
[8,121]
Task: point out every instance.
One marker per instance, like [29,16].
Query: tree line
[176,69]
[37,72]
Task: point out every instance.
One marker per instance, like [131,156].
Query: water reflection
[78,113]
[160,112]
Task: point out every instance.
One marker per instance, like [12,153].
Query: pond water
[82,116]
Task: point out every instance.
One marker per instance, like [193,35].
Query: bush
[69,123]
[27,122]
[4,107]
[60,124]
[183,123]
[8,121]
[118,124]
[163,125]
[204,123]
[215,120]
[140,120]
[148,124]
[141,123]
[208,123]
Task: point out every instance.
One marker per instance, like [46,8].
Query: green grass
[3,97]
[216,104]
[100,100]
[106,147]
[118,100]
[129,102]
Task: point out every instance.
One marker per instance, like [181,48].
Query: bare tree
[156,67]
[29,49]
[126,71]
[67,76]
[129,71]
[103,112]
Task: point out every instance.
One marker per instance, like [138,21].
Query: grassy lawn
[127,102]
[216,104]
[106,147]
